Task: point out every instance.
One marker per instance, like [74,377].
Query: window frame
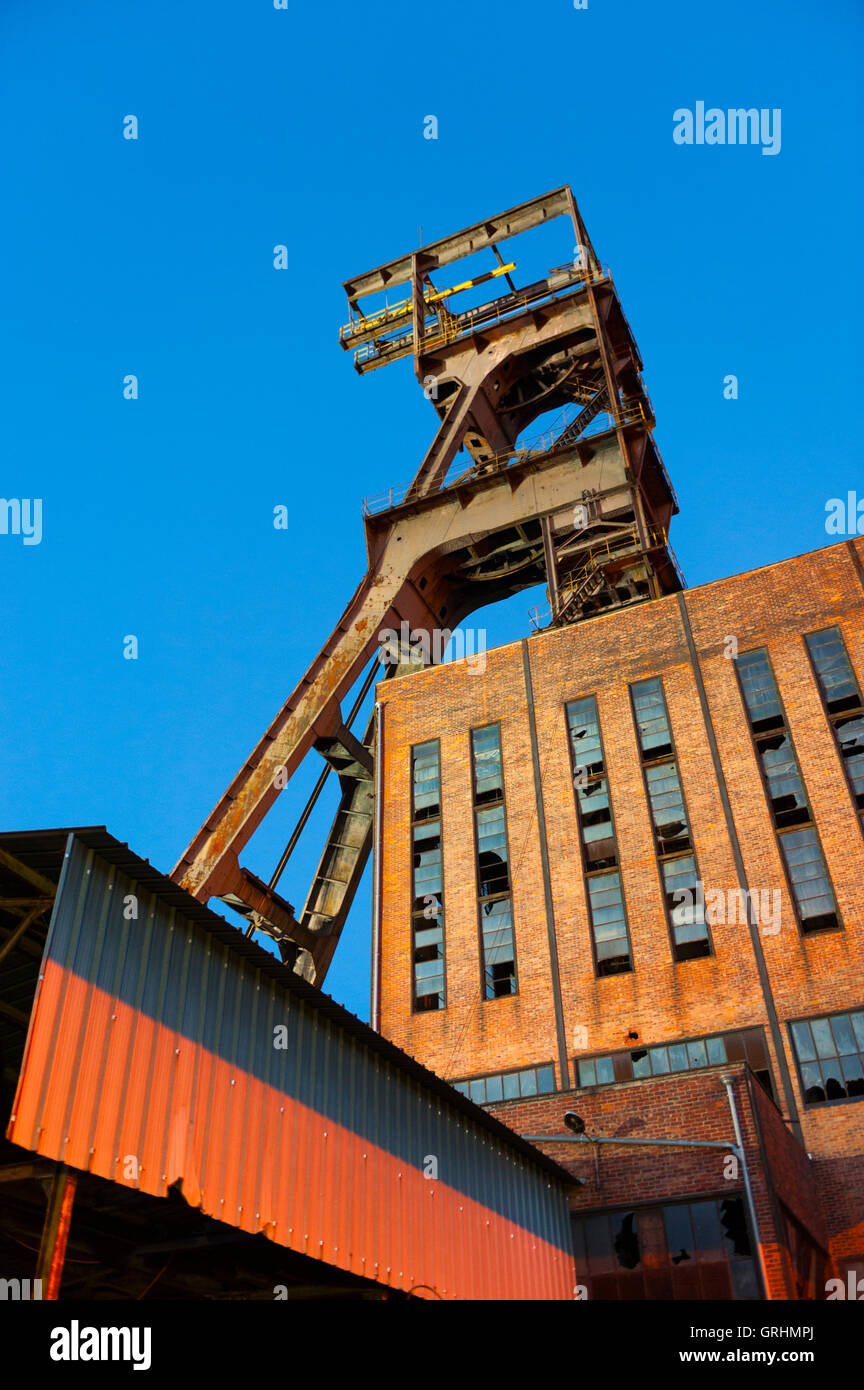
[686,1071]
[508,1071]
[668,858]
[412,827]
[660,1205]
[817,1018]
[781,831]
[588,874]
[482,898]
[832,718]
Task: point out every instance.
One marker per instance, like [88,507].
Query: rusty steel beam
[38,1169]
[550,559]
[342,861]
[349,842]
[55,1232]
[32,876]
[477,237]
[21,930]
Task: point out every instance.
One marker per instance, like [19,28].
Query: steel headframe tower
[587,512]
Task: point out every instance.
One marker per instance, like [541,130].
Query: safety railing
[545,443]
[377,348]
[368,322]
[364,323]
[540,444]
[457,326]
[499,311]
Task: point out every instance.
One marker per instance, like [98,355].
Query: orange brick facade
[754,977]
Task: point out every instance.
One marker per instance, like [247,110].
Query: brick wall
[660,1000]
[840,1183]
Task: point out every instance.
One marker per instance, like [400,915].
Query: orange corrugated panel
[284,1162]
[37,1056]
[145,1049]
[61,1070]
[183,1101]
[193,1179]
[108,1118]
[230,1144]
[93,1043]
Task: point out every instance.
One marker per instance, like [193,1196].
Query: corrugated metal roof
[45,850]
[166,1047]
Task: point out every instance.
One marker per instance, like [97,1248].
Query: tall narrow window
[497,941]
[673,844]
[842,695]
[797,836]
[609,934]
[427,910]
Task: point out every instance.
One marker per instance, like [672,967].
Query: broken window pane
[782,778]
[787,795]
[608,924]
[688,1055]
[497,941]
[833,670]
[830,1055]
[486,755]
[585,742]
[652,719]
[760,690]
[427,880]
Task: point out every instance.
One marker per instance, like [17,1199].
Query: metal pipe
[663,1143]
[376,863]
[298,829]
[745,1173]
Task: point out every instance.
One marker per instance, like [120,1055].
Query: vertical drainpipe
[376,868]
[748,1190]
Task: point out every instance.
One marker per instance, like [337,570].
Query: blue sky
[304,127]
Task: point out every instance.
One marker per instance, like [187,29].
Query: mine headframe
[584,509]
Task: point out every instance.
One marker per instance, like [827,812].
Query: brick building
[622,877]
